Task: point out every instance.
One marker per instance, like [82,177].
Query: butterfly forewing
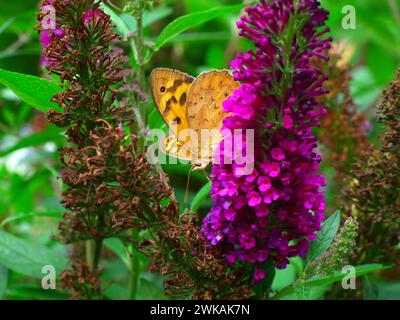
[170,91]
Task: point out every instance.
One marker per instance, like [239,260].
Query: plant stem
[140,116]
[89,253]
[140,49]
[395,9]
[97,253]
[285,291]
[138,109]
[93,251]
[133,285]
[141,76]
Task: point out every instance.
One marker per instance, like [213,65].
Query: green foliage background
[29,185]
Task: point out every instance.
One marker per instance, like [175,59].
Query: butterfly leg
[206,175]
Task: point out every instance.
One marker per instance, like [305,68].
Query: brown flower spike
[111,188]
[373,191]
[344,130]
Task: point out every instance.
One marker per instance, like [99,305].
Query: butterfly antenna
[206,175]
[187,187]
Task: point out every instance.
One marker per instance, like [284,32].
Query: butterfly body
[192,108]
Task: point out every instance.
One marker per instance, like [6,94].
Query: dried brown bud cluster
[191,268]
[83,283]
[111,186]
[99,157]
[344,130]
[84,60]
[373,193]
[106,173]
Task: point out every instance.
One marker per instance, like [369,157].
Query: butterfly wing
[172,146]
[170,91]
[204,108]
[206,95]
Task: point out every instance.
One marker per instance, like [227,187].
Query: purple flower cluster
[49,29]
[272,213]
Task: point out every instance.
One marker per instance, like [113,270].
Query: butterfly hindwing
[172,146]
[204,107]
[207,93]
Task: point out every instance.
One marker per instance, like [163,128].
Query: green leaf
[370,288]
[388,290]
[52,133]
[116,19]
[203,193]
[264,286]
[20,53]
[6,24]
[150,291]
[25,216]
[117,246]
[155,121]
[155,15]
[34,293]
[149,18]
[338,276]
[287,276]
[3,280]
[28,258]
[35,91]
[200,36]
[186,22]
[363,88]
[325,237]
[115,291]
[329,279]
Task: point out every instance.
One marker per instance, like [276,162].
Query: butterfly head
[200,165]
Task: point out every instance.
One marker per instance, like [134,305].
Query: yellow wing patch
[172,146]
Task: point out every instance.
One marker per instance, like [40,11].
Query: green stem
[97,253]
[139,109]
[89,253]
[285,291]
[133,285]
[140,49]
[93,252]
[395,9]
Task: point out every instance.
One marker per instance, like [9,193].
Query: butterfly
[185,102]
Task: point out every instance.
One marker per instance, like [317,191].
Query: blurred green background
[29,187]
